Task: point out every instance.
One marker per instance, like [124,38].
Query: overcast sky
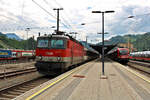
[16,15]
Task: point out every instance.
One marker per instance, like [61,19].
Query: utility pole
[27,30]
[33,46]
[57,31]
[86,39]
[103,73]
[39,33]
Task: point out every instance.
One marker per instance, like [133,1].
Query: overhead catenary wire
[7,17]
[66,22]
[66,16]
[63,21]
[48,12]
[7,28]
[15,25]
[58,4]
[44,9]
[142,15]
[50,5]
[22,10]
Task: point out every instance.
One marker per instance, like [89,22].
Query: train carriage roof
[86,45]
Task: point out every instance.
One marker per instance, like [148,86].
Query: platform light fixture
[110,11]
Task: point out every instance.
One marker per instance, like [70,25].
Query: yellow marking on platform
[53,83]
[137,74]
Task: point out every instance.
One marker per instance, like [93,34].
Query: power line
[44,9]
[7,17]
[65,23]
[46,2]
[65,14]
[58,4]
[22,8]
[142,14]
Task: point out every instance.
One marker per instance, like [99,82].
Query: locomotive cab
[123,52]
[123,55]
[51,43]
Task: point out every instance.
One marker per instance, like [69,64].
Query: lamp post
[128,37]
[103,73]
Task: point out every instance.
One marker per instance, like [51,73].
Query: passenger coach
[141,56]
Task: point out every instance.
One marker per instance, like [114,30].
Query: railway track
[17,72]
[14,62]
[10,93]
[141,67]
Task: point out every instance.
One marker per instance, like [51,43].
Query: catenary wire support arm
[57,31]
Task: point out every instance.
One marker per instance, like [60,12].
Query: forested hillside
[15,44]
[140,41]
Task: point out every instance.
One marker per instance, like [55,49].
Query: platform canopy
[106,47]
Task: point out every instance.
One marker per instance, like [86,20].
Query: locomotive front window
[42,43]
[123,52]
[58,44]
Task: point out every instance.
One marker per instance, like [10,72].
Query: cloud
[88,8]
[122,24]
[16,13]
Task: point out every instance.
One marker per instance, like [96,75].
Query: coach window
[148,55]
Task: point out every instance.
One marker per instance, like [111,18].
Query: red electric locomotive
[119,54]
[55,53]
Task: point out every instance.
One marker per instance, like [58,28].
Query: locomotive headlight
[58,58]
[39,58]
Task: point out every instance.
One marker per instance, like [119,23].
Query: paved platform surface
[86,84]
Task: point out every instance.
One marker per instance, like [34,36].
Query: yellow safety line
[40,91]
[137,74]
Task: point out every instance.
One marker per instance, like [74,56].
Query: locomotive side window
[42,43]
[57,43]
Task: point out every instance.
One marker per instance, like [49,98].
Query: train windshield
[123,52]
[42,43]
[57,44]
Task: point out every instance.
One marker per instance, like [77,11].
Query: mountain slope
[16,44]
[13,36]
[139,41]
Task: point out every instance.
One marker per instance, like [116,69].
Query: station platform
[85,83]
